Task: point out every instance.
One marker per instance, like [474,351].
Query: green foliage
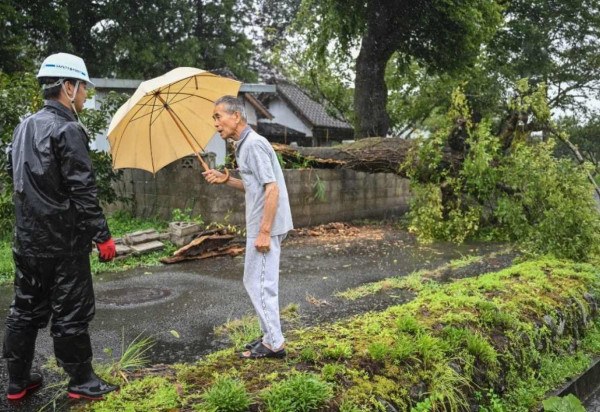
[489,402]
[522,193]
[240,331]
[308,354]
[177,215]
[554,212]
[298,393]
[331,371]
[568,403]
[19,97]
[319,189]
[225,395]
[408,324]
[7,267]
[586,137]
[450,356]
[151,394]
[337,350]
[134,356]
[122,222]
[378,351]
[132,261]
[96,121]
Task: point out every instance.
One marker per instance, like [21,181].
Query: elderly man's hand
[263,243]
[213,176]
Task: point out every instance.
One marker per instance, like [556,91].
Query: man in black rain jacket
[57,216]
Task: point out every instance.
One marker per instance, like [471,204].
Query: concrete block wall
[346,194]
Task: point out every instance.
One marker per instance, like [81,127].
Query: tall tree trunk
[370,93]
[381,38]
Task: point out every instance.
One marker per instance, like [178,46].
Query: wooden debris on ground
[207,244]
[334,228]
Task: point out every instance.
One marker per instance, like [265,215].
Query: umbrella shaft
[178,124]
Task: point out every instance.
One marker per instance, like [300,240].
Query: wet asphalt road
[191,298]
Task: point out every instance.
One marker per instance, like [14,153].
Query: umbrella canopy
[167,118]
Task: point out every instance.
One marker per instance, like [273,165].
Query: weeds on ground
[413,282]
[133,357]
[225,395]
[156,394]
[438,352]
[121,223]
[299,392]
[240,331]
[246,329]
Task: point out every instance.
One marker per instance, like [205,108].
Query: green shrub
[225,395]
[513,190]
[300,393]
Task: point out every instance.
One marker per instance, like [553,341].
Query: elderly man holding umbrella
[268,219]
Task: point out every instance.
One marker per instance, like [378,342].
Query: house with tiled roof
[300,119]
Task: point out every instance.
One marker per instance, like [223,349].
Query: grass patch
[156,394]
[240,331]
[483,341]
[300,392]
[225,395]
[121,223]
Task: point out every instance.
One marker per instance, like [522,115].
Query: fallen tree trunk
[369,155]
[372,155]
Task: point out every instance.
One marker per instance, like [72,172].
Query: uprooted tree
[507,185]
[494,178]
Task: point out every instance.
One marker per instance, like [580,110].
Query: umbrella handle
[224,178]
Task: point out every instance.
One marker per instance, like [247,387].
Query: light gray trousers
[261,279]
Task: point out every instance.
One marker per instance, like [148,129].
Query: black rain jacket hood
[57,212]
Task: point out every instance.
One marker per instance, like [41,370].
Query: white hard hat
[64,65]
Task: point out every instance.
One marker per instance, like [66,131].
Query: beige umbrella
[167,118]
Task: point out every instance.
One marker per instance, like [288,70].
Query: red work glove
[107,250]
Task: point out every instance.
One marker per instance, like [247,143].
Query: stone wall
[316,196]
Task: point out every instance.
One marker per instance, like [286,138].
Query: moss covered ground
[496,342]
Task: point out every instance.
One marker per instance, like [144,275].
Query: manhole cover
[132,296]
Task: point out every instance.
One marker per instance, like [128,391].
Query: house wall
[283,115]
[347,195]
[250,113]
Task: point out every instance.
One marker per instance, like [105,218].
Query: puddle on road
[132,296]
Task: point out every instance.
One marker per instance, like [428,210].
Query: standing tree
[442,35]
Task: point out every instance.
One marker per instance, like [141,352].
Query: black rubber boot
[18,349]
[74,354]
[85,384]
[20,380]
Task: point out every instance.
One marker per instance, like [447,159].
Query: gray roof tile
[311,110]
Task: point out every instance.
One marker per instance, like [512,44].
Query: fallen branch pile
[210,243]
